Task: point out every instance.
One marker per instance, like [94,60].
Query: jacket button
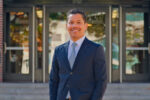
[71,73]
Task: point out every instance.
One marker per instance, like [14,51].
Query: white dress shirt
[79,43]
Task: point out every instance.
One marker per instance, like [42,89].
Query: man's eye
[70,22]
[78,22]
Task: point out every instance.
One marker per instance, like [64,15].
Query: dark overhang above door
[113,2]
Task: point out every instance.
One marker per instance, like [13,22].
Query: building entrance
[136,45]
[57,34]
[31,35]
[17,43]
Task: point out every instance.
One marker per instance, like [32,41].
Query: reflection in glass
[134,29]
[39,36]
[135,58]
[57,32]
[115,39]
[18,61]
[115,45]
[96,27]
[17,36]
[135,61]
[18,29]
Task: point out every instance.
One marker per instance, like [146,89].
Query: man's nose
[75,25]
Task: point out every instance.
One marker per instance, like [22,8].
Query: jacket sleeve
[54,78]
[100,74]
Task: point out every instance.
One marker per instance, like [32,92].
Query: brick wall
[1,40]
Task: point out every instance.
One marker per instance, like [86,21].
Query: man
[79,68]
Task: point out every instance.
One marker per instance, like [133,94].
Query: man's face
[76,26]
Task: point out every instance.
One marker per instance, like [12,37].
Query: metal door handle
[0,54]
[149,48]
[5,45]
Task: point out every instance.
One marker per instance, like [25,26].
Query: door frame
[65,8]
[136,77]
[13,77]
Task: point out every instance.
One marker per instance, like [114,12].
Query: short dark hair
[77,11]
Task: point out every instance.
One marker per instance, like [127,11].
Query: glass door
[57,34]
[136,39]
[17,42]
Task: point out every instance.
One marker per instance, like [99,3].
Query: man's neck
[76,39]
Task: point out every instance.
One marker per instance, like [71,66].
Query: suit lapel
[65,55]
[81,52]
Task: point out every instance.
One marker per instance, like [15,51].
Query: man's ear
[66,25]
[86,25]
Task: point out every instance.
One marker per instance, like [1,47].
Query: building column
[1,40]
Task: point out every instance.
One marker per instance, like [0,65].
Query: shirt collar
[78,42]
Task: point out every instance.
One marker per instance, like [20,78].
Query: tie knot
[74,44]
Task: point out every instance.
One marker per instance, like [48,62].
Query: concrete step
[24,97]
[21,91]
[24,91]
[119,97]
[127,91]
[40,91]
[23,85]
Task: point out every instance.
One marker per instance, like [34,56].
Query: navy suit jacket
[86,80]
